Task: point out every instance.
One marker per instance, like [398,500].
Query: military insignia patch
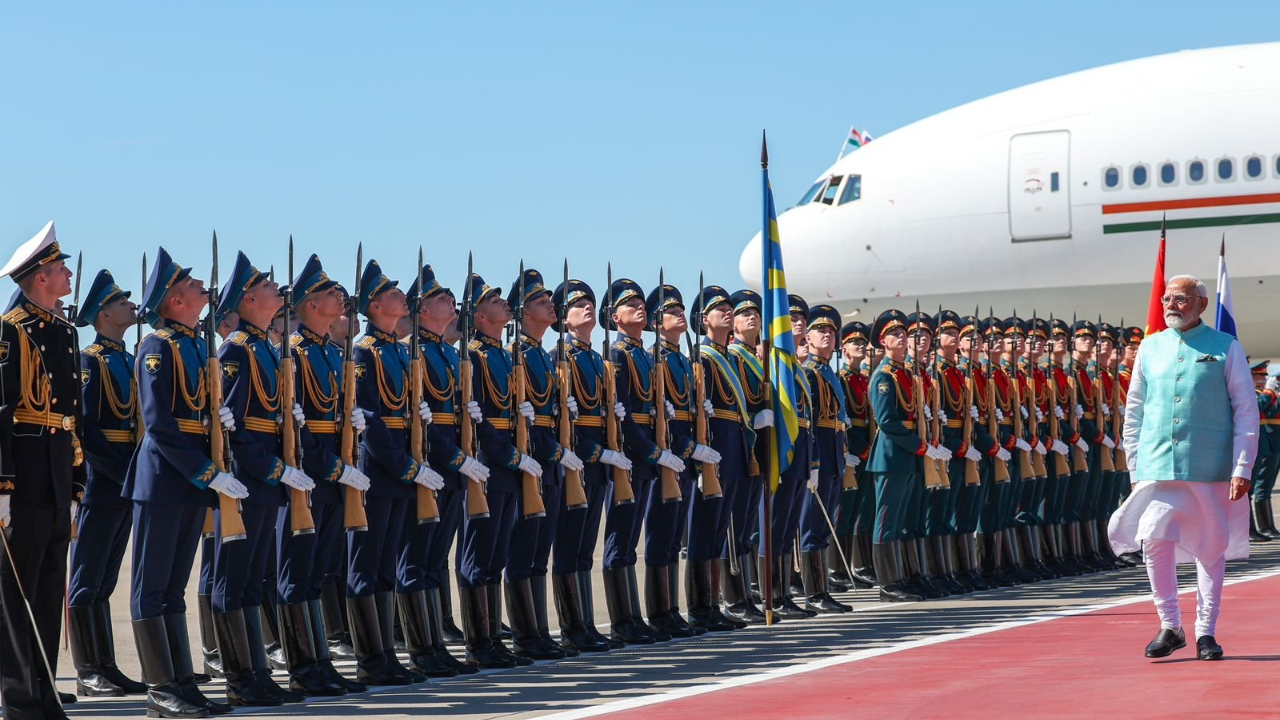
[4,350]
[151,363]
[84,378]
[884,388]
[231,370]
[360,371]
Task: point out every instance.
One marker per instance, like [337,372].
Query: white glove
[1273,383]
[944,454]
[931,452]
[1002,454]
[616,459]
[428,478]
[1106,409]
[973,411]
[999,415]
[671,410]
[1039,415]
[529,466]
[296,479]
[928,413]
[763,419]
[852,460]
[1022,445]
[1084,446]
[526,410]
[1025,414]
[1060,448]
[667,460]
[972,454]
[474,470]
[299,417]
[707,406]
[1057,412]
[1079,411]
[812,485]
[572,402]
[571,461]
[424,412]
[473,409]
[357,420]
[1040,449]
[75,510]
[619,411]
[227,419]
[229,486]
[5,515]
[942,415]
[1111,444]
[352,477]
[702,453]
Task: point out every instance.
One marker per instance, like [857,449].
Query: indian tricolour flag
[857,139]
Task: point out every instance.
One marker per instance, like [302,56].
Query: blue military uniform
[747,537]
[105,519]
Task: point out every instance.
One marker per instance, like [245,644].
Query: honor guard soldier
[578,530]
[746,364]
[623,310]
[1262,526]
[170,482]
[997,563]
[487,540]
[1105,382]
[422,607]
[856,512]
[105,518]
[1085,338]
[40,418]
[533,536]
[250,382]
[925,503]
[1021,471]
[665,518]
[1031,510]
[799,326]
[382,393]
[712,523]
[972,347]
[305,567]
[1061,510]
[895,452]
[1130,340]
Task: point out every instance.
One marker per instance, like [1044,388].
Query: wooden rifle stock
[575,495]
[711,487]
[1121,460]
[1079,460]
[623,493]
[998,466]
[971,474]
[661,427]
[428,511]
[1060,466]
[935,401]
[477,502]
[301,521]
[932,478]
[232,523]
[353,513]
[531,484]
[1033,404]
[1103,451]
[1025,467]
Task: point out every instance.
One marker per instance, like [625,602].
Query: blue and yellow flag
[783,366]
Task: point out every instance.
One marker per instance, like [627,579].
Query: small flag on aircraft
[856,139]
[1155,308]
[1226,318]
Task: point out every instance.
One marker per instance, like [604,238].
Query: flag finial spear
[764,150]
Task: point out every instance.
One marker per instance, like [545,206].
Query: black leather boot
[497,632]
[673,600]
[243,688]
[1268,519]
[526,641]
[386,603]
[839,552]
[260,661]
[271,633]
[702,601]
[165,698]
[736,590]
[324,661]
[413,619]
[106,643]
[1014,563]
[657,599]
[888,564]
[305,676]
[366,638]
[208,638]
[617,597]
[573,631]
[542,614]
[971,563]
[86,654]
[475,624]
[916,581]
[940,568]
[435,632]
[587,601]
[637,610]
[864,575]
[813,573]
[175,625]
[1071,547]
[784,606]
[1255,532]
[452,633]
[333,603]
[993,559]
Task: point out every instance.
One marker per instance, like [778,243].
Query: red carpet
[1085,666]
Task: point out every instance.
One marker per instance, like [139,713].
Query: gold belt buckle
[67,422]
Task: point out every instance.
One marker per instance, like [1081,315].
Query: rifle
[1079,460]
[575,494]
[972,476]
[532,484]
[850,479]
[623,493]
[658,383]
[1025,468]
[477,503]
[1033,403]
[354,517]
[69,312]
[711,487]
[1121,460]
[427,509]
[993,425]
[300,517]
[935,429]
[932,477]
[232,524]
[138,430]
[1108,465]
[1060,466]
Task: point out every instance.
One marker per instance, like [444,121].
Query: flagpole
[844,144]
[766,464]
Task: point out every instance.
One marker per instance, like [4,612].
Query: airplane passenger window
[1226,170]
[852,189]
[829,195]
[1253,168]
[1278,165]
[1195,171]
[1053,182]
[1139,176]
[1168,173]
[808,196]
[1111,178]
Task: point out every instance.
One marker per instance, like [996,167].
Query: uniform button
[1179,359]
[41,348]
[1175,441]
[1175,421]
[53,431]
[1177,399]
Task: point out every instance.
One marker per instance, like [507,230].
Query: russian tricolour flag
[1226,320]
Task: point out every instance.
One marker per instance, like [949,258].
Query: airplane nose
[749,265]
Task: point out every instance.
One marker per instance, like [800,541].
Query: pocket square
[1206,358]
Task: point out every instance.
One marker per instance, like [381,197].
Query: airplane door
[1039,187]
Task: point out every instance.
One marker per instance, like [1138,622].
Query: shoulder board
[366,342]
[16,315]
[164,333]
[476,346]
[295,340]
[93,349]
[238,337]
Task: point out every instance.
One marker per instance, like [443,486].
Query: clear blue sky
[598,130]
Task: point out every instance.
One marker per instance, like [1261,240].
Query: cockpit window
[833,187]
[813,191]
[852,189]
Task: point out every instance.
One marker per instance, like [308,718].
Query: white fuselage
[1005,202]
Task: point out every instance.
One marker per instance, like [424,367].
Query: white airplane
[1049,197]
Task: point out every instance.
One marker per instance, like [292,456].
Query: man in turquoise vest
[1190,430]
